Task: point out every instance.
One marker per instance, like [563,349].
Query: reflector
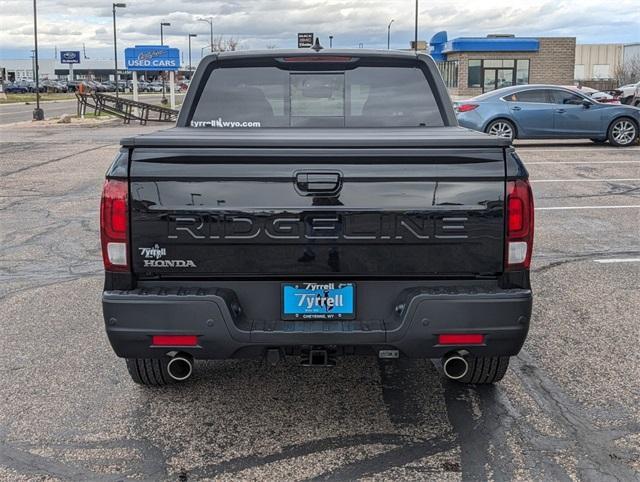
[174,340]
[461,339]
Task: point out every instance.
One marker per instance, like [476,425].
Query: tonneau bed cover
[436,137]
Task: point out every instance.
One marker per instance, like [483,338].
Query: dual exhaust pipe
[454,365]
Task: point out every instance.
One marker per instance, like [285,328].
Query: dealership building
[473,65]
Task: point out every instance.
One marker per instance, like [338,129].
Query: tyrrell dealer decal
[153,259]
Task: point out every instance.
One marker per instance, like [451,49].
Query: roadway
[11,113]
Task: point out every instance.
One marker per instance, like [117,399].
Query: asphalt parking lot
[568,408]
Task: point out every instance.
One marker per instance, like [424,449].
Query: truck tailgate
[212,212]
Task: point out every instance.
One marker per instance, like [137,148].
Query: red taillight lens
[174,340]
[519,239]
[466,107]
[114,214]
[461,339]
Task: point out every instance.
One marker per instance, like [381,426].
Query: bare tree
[223,44]
[628,72]
[271,46]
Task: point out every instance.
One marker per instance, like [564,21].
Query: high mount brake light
[466,107]
[114,225]
[519,225]
[319,58]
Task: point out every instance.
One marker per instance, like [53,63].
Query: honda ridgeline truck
[316,204]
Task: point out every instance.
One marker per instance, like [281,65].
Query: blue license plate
[318,301]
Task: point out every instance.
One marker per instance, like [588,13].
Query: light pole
[389,34]
[210,22]
[115,46]
[162,25]
[330,41]
[415,43]
[191,35]
[38,113]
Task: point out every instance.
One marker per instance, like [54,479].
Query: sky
[68,24]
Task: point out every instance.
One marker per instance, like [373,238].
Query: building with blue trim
[473,65]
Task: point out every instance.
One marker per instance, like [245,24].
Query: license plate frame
[290,297]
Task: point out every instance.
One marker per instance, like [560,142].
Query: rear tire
[485,370]
[149,372]
[623,132]
[501,128]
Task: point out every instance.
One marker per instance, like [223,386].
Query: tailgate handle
[318,182]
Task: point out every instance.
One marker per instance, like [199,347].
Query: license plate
[318,301]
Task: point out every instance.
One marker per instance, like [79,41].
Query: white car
[628,91]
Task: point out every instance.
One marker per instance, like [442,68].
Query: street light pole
[115,46]
[162,25]
[38,113]
[330,41]
[190,36]
[389,34]
[415,43]
[210,22]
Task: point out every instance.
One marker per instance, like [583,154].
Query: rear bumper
[223,330]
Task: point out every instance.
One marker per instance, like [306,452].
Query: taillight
[466,107]
[114,225]
[519,225]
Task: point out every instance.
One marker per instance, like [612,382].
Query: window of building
[449,72]
[475,73]
[601,71]
[522,72]
[492,74]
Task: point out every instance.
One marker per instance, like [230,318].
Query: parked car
[420,248]
[11,88]
[549,112]
[53,86]
[155,87]
[628,92]
[612,97]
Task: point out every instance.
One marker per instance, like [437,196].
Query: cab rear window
[255,97]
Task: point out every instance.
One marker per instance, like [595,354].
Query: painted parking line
[571,208]
[569,149]
[618,260]
[584,180]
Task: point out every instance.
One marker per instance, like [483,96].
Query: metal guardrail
[126,109]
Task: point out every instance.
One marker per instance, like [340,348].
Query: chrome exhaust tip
[180,367]
[455,366]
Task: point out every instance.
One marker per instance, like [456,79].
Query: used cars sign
[152,57]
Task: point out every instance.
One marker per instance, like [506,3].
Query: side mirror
[586,104]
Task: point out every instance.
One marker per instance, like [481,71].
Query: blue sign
[152,57]
[69,57]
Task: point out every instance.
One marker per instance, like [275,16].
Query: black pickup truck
[316,204]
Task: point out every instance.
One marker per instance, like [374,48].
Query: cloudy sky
[68,24]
